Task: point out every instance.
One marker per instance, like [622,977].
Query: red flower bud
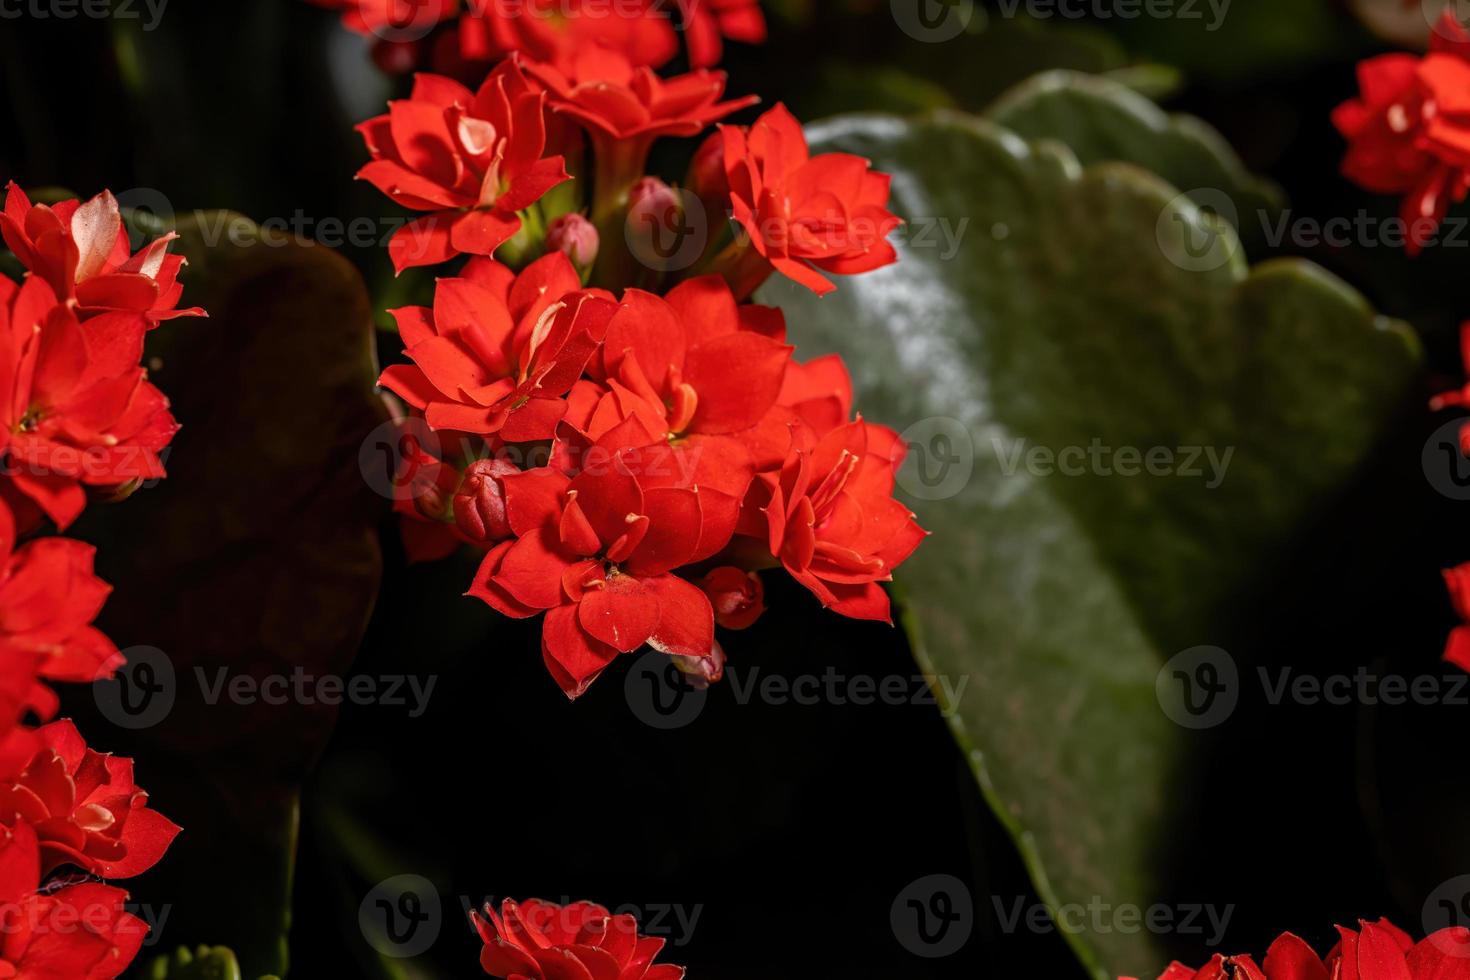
[703,671]
[575,237]
[706,177]
[653,200]
[737,596]
[479,505]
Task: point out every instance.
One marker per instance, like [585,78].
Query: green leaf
[255,562]
[1062,321]
[1101,119]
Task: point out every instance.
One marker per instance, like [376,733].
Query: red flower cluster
[1408,131]
[1457,579]
[1376,951]
[64,805]
[461,34]
[543,941]
[628,445]
[77,414]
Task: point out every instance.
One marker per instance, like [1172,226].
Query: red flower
[618,100]
[1409,131]
[77,932]
[696,370]
[85,808]
[595,552]
[832,521]
[557,31]
[543,941]
[738,597]
[474,160]
[82,252]
[48,599]
[806,215]
[1379,952]
[1457,647]
[75,407]
[498,353]
[706,22]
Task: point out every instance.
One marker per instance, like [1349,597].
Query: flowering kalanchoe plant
[630,445]
[539,940]
[1408,132]
[1374,951]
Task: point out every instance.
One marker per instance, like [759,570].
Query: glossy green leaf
[1101,119]
[1081,308]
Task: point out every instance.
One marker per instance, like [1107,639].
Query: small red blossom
[80,932]
[1379,951]
[832,520]
[76,409]
[82,251]
[48,600]
[806,215]
[472,159]
[1457,646]
[618,100]
[85,808]
[738,597]
[596,553]
[542,941]
[1408,132]
[708,22]
[557,31]
[497,353]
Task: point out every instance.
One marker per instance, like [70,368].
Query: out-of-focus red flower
[79,932]
[1408,131]
[832,520]
[806,215]
[82,251]
[1457,646]
[1379,951]
[85,808]
[738,597]
[708,22]
[497,353]
[558,31]
[472,159]
[76,409]
[48,600]
[618,100]
[595,553]
[543,941]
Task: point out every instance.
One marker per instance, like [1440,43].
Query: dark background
[791,829]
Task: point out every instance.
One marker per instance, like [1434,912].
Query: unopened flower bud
[738,597]
[703,671]
[575,236]
[479,505]
[706,177]
[659,232]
